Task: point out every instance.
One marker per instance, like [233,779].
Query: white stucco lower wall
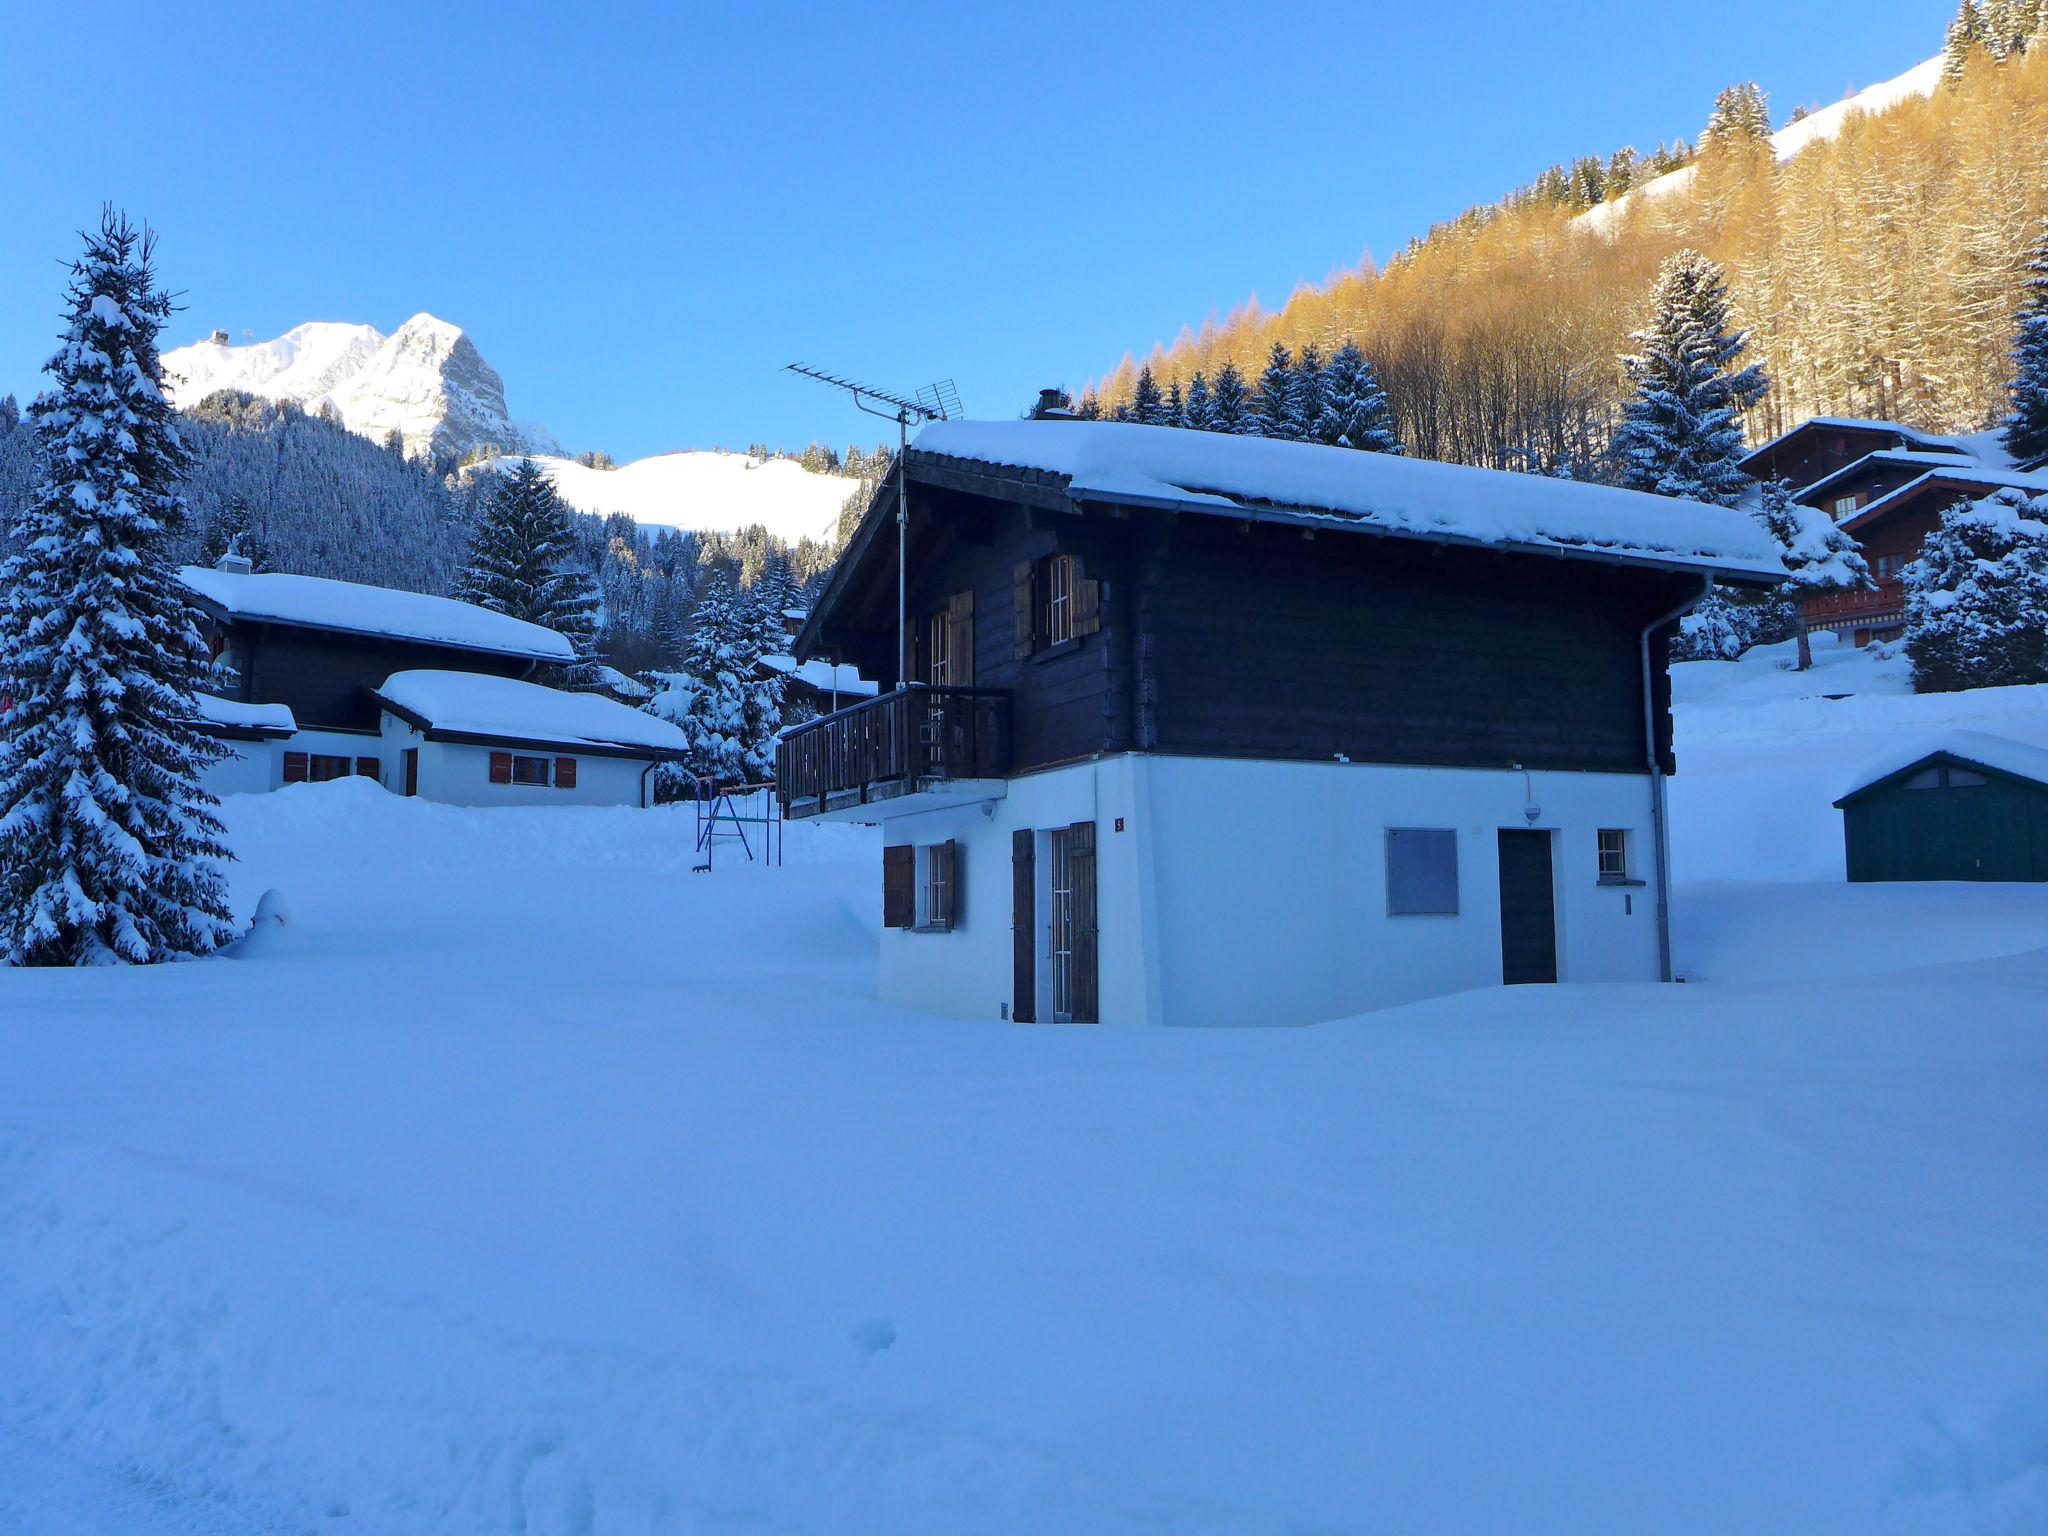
[1244,892]
[257,767]
[455,773]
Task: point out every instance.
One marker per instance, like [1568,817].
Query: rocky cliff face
[426,381]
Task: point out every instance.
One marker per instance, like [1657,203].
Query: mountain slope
[709,492]
[426,381]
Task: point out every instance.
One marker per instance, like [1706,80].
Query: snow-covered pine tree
[522,562]
[1741,113]
[1148,409]
[109,847]
[1821,558]
[1274,415]
[233,529]
[1199,411]
[1718,629]
[1977,598]
[1230,406]
[1681,431]
[733,712]
[1176,408]
[1305,398]
[10,414]
[2026,429]
[1966,41]
[1356,411]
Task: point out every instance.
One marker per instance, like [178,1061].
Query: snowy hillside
[709,492]
[1788,141]
[652,1219]
[426,381]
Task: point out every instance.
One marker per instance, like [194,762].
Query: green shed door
[1947,831]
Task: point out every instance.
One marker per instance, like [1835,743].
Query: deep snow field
[529,1183]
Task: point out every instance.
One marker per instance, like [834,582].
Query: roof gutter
[1660,830]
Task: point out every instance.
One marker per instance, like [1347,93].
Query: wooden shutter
[899,886]
[369,768]
[295,767]
[1087,604]
[1023,926]
[1024,603]
[1087,948]
[565,773]
[952,866]
[501,767]
[960,638]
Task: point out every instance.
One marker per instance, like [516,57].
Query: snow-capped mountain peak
[426,381]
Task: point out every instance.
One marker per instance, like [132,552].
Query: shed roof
[1980,749]
[471,706]
[356,608]
[1376,493]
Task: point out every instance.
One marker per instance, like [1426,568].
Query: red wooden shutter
[295,767]
[501,767]
[1087,944]
[1087,604]
[899,888]
[1024,603]
[960,638]
[565,773]
[369,768]
[1023,926]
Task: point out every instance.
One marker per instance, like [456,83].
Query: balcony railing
[914,739]
[1834,608]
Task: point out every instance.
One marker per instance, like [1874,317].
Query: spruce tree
[232,530]
[1230,407]
[734,712]
[109,847]
[1966,40]
[1147,407]
[1199,410]
[10,414]
[1681,431]
[1355,412]
[522,563]
[1176,408]
[1275,414]
[1821,558]
[2026,429]
[1977,598]
[1305,397]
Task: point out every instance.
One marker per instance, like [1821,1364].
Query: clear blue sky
[640,212]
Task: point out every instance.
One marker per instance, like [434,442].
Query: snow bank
[472,704]
[318,602]
[1388,492]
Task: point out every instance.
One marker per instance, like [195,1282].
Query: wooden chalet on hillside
[1195,728]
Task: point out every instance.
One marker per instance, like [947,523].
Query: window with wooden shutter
[1087,604]
[326,767]
[960,640]
[942,888]
[1024,607]
[1023,925]
[501,767]
[369,768]
[899,886]
[530,770]
[565,773]
[295,767]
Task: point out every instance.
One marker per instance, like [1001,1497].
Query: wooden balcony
[1850,608]
[910,750]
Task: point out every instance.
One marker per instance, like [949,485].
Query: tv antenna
[938,401]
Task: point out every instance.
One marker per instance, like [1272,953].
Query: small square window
[1613,853]
[1422,872]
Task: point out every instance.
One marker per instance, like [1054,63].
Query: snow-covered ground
[528,1183]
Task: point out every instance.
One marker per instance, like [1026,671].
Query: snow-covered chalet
[1886,484]
[324,679]
[1199,729]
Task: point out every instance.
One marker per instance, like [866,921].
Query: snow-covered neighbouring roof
[272,719]
[623,683]
[1940,463]
[2001,754]
[351,607]
[1926,442]
[1986,479]
[1920,80]
[822,675]
[1371,492]
[505,709]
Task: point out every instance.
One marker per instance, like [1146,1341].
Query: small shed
[1963,806]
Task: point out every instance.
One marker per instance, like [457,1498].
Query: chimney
[234,562]
[1052,406]
[219,338]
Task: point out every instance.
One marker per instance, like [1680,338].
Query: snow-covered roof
[232,714]
[1987,479]
[1369,492]
[2000,754]
[623,683]
[1931,442]
[822,675]
[351,607]
[1947,463]
[505,709]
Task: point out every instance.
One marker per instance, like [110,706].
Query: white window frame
[1844,506]
[1059,599]
[939,649]
[932,895]
[1614,869]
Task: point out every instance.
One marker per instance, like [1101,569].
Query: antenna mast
[935,402]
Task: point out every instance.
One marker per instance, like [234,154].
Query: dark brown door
[412,770]
[1024,925]
[1528,908]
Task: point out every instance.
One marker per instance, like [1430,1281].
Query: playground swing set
[725,813]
